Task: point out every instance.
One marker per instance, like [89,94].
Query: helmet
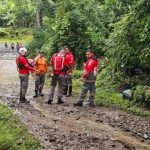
[22,51]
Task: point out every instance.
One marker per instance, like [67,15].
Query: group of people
[62,64]
[13,46]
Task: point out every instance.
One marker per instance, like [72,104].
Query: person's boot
[26,101]
[60,101]
[36,94]
[40,93]
[65,90]
[70,92]
[91,104]
[23,100]
[79,103]
[49,101]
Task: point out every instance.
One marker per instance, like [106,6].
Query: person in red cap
[60,65]
[23,68]
[89,79]
[68,87]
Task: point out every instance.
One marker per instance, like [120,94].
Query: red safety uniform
[25,67]
[89,68]
[59,61]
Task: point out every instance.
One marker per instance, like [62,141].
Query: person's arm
[89,67]
[25,63]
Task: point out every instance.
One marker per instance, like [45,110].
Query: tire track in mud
[64,127]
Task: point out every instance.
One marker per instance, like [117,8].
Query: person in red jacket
[23,68]
[59,64]
[68,87]
[89,79]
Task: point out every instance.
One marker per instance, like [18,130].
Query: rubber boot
[23,100]
[79,103]
[60,101]
[65,90]
[49,101]
[40,93]
[70,92]
[36,94]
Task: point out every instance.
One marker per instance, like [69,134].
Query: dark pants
[69,80]
[24,79]
[60,79]
[39,82]
[85,88]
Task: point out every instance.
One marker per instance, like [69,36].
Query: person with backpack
[41,66]
[89,79]
[60,65]
[23,68]
[68,87]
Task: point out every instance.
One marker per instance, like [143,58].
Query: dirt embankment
[64,127]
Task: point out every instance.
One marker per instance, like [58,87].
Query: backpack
[58,62]
[19,64]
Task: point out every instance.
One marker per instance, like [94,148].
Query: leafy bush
[3,34]
[129,45]
[142,95]
[77,74]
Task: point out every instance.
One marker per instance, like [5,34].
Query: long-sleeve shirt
[89,69]
[26,68]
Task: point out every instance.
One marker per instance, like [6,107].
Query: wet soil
[65,127]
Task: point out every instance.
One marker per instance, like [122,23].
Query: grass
[107,96]
[24,36]
[112,99]
[13,134]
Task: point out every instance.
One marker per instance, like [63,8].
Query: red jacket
[23,65]
[58,62]
[89,68]
[70,58]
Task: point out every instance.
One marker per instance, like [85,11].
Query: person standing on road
[60,65]
[6,46]
[89,79]
[12,46]
[41,66]
[17,47]
[68,87]
[23,68]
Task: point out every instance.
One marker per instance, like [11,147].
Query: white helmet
[22,51]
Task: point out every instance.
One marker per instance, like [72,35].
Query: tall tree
[38,14]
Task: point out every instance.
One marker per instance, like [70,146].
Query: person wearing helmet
[23,68]
[41,66]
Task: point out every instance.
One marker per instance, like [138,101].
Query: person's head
[62,50]
[89,54]
[23,51]
[67,49]
[41,53]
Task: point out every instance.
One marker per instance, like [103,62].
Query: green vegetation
[107,95]
[116,29]
[13,135]
[10,35]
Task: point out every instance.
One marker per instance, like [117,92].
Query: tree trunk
[38,14]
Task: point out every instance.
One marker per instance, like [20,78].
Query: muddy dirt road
[64,127]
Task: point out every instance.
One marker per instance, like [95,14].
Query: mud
[64,127]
